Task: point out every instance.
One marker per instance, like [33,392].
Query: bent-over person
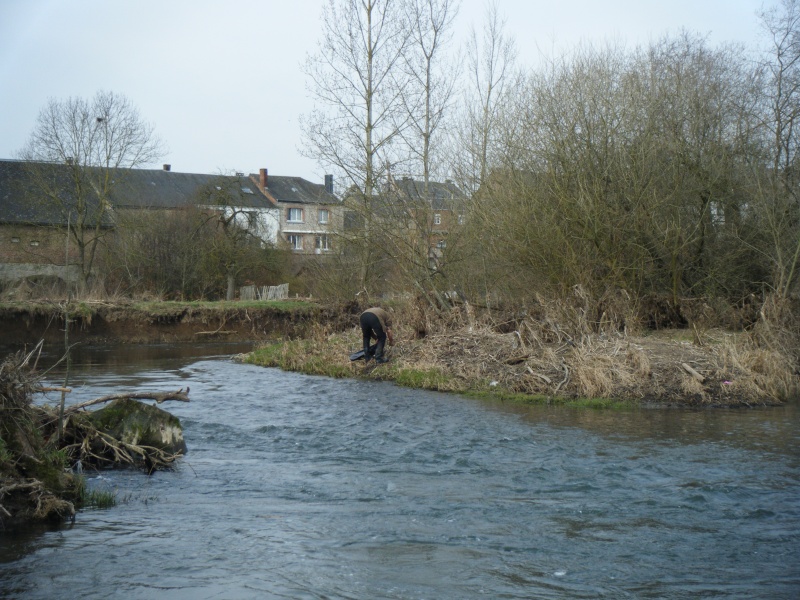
[376,323]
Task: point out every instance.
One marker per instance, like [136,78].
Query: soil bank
[167,322]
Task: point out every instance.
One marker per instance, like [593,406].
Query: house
[443,205]
[32,237]
[309,213]
[237,196]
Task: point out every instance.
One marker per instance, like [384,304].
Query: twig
[544,378]
[42,390]
[159,397]
[515,360]
[565,380]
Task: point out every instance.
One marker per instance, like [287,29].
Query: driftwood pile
[43,450]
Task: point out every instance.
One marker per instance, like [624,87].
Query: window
[34,242]
[294,215]
[15,240]
[437,219]
[441,244]
[323,215]
[295,241]
[323,242]
[460,219]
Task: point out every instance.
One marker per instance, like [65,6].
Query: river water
[308,487]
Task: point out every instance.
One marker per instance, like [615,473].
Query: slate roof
[157,188]
[441,195]
[22,202]
[297,190]
[139,188]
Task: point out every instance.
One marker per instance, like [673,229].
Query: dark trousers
[371,327]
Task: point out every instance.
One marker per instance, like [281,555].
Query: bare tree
[432,78]
[490,62]
[235,244]
[780,194]
[355,81]
[358,85]
[77,154]
[627,171]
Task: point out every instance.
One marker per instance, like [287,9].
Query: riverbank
[543,358]
[164,322]
[538,361]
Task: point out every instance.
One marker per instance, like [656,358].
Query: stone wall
[10,273]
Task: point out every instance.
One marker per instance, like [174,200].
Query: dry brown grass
[558,349]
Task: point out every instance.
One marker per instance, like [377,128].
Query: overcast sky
[221,80]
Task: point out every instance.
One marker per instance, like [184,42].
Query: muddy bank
[168,322]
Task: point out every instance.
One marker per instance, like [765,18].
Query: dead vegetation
[40,468]
[585,349]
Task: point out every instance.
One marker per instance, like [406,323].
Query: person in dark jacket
[376,323]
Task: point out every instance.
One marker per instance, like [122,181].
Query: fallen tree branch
[33,484]
[693,373]
[159,397]
[217,332]
[42,390]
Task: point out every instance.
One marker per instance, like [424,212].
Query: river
[307,487]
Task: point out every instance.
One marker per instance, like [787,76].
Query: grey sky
[221,80]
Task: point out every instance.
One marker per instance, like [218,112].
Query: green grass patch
[302,356]
[86,498]
[266,356]
[100,499]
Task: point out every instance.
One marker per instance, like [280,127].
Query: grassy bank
[539,361]
[325,358]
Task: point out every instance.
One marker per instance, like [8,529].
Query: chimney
[263,178]
[167,167]
[329,184]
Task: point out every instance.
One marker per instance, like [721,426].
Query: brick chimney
[167,167]
[263,178]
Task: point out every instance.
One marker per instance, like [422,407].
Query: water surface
[309,487]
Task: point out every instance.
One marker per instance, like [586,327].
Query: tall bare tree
[432,77]
[781,194]
[358,85]
[491,58]
[78,152]
[356,82]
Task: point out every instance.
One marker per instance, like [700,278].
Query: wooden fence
[265,292]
